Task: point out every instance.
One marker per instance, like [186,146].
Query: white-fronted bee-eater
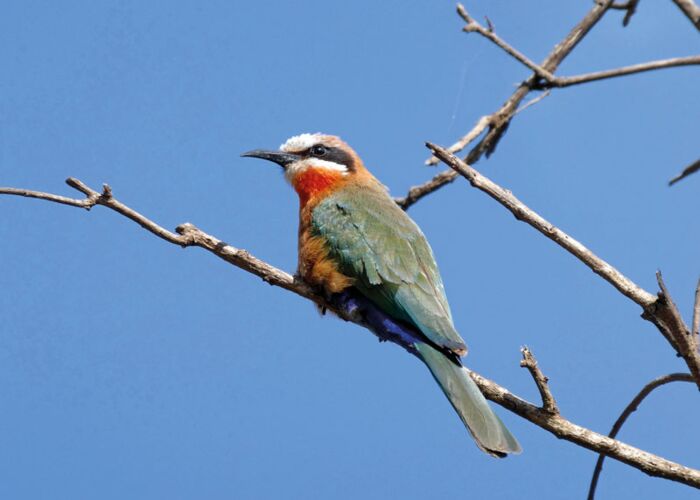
[355,241]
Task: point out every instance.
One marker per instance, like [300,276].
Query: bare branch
[691,10]
[475,132]
[188,235]
[629,409]
[564,429]
[690,169]
[543,78]
[417,192]
[659,310]
[500,119]
[523,213]
[549,404]
[87,203]
[474,27]
[568,81]
[549,80]
[533,101]
[466,140]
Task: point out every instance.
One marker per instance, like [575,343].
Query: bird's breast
[313,183]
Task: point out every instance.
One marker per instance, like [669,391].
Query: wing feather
[378,245]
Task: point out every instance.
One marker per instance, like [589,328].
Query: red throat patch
[313,182]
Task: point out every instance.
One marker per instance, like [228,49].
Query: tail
[490,434]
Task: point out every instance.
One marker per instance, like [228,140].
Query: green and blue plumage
[374,242]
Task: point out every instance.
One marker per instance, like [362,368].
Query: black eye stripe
[336,155]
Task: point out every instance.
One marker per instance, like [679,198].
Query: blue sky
[130,368]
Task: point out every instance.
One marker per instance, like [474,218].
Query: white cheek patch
[298,167]
[300,142]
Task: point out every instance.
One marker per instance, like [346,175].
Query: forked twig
[500,119]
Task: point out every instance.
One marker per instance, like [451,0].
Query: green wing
[378,245]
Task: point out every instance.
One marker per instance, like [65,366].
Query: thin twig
[690,169]
[474,27]
[629,409]
[533,101]
[549,404]
[691,10]
[568,81]
[417,192]
[188,235]
[500,119]
[630,7]
[466,140]
[475,132]
[659,310]
[86,203]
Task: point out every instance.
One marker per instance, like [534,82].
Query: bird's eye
[319,150]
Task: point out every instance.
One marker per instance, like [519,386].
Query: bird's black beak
[280,157]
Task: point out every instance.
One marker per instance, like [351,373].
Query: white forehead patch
[300,142]
[300,166]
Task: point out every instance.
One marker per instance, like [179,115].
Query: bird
[354,239]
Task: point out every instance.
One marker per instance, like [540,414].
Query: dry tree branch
[659,310]
[417,192]
[543,78]
[466,140]
[500,119]
[521,212]
[564,429]
[86,203]
[474,27]
[549,80]
[691,10]
[629,409]
[475,132]
[690,169]
[568,81]
[188,235]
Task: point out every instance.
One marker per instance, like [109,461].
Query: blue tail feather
[490,434]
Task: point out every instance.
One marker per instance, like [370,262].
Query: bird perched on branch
[354,241]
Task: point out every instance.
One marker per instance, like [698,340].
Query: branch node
[189,234]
